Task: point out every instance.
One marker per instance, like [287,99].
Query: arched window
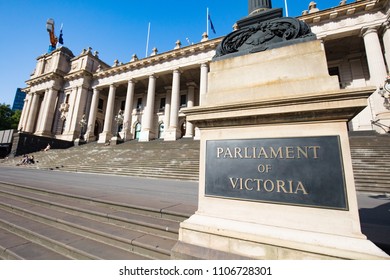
[137,130]
[161,130]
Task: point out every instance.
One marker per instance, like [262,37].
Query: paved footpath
[374,209]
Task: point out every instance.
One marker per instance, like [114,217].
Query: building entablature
[82,81]
[41,81]
[159,69]
[343,11]
[338,22]
[55,84]
[161,63]
[78,75]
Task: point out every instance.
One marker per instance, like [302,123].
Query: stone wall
[27,143]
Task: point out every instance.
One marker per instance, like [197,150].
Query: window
[123,105]
[162,104]
[183,100]
[139,104]
[100,105]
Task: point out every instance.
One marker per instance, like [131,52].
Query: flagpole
[147,41]
[285,4]
[207,22]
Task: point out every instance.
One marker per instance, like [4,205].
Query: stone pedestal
[172,134]
[79,142]
[115,140]
[104,137]
[276,178]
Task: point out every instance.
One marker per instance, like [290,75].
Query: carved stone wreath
[264,35]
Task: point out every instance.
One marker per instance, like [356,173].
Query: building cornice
[160,58]
[77,75]
[45,78]
[342,11]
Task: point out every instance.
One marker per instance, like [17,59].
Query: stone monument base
[275,176]
[225,228]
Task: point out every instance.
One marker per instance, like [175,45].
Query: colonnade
[377,59]
[172,127]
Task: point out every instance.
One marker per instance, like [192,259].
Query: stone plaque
[304,171]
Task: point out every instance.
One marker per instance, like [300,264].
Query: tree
[8,119]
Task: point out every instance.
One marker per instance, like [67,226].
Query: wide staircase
[41,224]
[155,159]
[371,162]
[44,224]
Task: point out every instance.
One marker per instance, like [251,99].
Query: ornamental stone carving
[64,108]
[264,35]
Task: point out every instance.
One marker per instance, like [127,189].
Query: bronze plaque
[303,171]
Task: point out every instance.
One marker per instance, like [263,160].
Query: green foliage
[9,119]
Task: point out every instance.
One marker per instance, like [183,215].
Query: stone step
[128,232]
[66,243]
[15,247]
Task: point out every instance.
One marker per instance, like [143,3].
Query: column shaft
[173,132]
[190,104]
[204,70]
[147,117]
[127,120]
[89,135]
[106,135]
[32,117]
[48,112]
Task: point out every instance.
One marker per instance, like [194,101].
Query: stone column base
[104,137]
[146,136]
[172,134]
[89,137]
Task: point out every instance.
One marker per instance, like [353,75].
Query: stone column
[377,68]
[78,104]
[127,121]
[72,103]
[32,116]
[47,113]
[190,104]
[204,70]
[167,110]
[26,106]
[106,135]
[147,117]
[386,43]
[89,135]
[363,120]
[173,132]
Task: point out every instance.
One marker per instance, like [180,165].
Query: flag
[61,39]
[211,25]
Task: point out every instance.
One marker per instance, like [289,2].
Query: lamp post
[119,120]
[83,123]
[385,93]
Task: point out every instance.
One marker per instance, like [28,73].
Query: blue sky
[117,29]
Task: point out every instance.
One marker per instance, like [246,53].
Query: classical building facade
[71,95]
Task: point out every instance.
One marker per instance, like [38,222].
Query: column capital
[385,26]
[369,29]
[132,81]
[177,70]
[192,84]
